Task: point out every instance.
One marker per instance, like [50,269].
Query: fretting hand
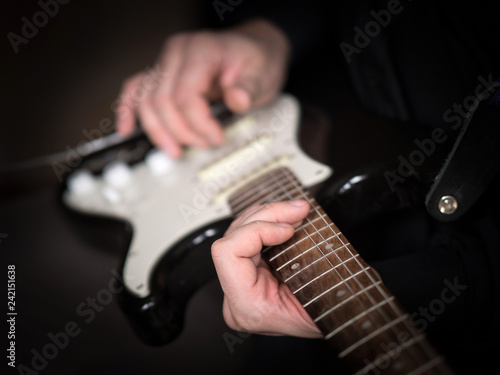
[254,300]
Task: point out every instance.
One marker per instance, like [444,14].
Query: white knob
[111,195]
[81,182]
[117,174]
[158,163]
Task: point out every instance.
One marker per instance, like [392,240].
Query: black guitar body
[159,318]
[359,202]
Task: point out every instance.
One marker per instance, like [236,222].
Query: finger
[157,133]
[232,255]
[237,99]
[164,99]
[291,212]
[196,111]
[195,84]
[241,86]
[125,110]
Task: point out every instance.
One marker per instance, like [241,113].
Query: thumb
[237,99]
[240,95]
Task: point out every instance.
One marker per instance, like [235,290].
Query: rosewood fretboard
[344,296]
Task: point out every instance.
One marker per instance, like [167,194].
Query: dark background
[64,81]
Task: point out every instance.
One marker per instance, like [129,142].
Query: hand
[244,66]
[254,300]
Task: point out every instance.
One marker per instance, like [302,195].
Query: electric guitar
[176,209]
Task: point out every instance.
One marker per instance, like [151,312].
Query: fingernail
[169,151]
[298,202]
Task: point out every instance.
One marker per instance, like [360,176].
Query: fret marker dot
[366,325]
[328,246]
[340,293]
[295,266]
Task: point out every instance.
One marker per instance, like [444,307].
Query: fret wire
[314,261]
[302,193]
[364,313]
[322,217]
[373,334]
[426,366]
[303,252]
[324,273]
[319,217]
[336,285]
[382,292]
[390,354]
[296,230]
[298,188]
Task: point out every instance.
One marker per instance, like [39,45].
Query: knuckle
[160,101]
[130,82]
[174,40]
[181,97]
[201,37]
[218,248]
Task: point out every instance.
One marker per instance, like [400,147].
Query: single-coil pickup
[225,192]
[233,161]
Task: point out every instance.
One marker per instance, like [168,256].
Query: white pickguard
[165,200]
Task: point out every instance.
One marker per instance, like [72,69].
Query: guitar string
[364,269]
[259,195]
[248,188]
[398,312]
[328,225]
[260,198]
[320,250]
[382,311]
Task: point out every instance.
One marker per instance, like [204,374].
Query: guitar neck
[344,296]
